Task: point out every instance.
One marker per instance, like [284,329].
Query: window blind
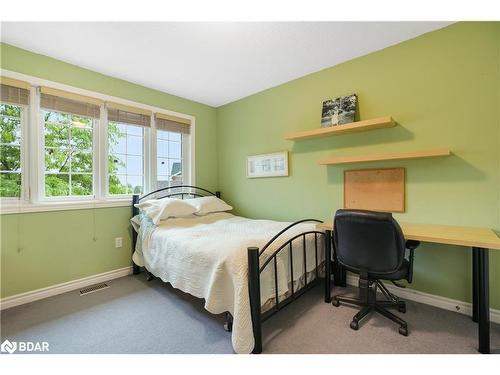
[128,115]
[172,123]
[62,101]
[14,91]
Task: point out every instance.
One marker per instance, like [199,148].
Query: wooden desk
[479,239]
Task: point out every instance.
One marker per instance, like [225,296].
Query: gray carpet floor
[135,316]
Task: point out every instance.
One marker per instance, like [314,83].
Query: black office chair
[372,245]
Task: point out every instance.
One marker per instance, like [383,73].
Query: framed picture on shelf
[339,111]
[268,165]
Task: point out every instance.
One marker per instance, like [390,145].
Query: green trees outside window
[68,152]
[10,151]
[68,155]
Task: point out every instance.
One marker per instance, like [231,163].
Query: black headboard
[179,191]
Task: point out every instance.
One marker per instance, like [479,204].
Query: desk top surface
[445,234]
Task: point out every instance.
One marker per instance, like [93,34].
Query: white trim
[38,135]
[35,295]
[191,161]
[36,148]
[185,158]
[431,299]
[103,154]
[19,207]
[153,156]
[96,163]
[147,140]
[25,167]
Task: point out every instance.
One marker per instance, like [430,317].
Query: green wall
[43,249]
[442,88]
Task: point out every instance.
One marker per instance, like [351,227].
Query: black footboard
[255,269]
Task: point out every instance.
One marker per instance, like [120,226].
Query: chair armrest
[411,245]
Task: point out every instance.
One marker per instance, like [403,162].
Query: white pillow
[162,209]
[206,205]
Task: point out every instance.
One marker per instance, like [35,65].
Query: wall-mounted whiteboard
[267,165]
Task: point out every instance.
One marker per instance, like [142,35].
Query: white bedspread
[207,257]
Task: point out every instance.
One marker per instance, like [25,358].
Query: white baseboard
[431,299]
[34,295]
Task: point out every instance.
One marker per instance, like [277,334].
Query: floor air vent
[93,288]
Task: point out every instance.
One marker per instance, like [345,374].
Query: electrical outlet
[118,242]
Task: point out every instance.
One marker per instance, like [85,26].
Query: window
[126,158]
[169,159]
[172,143]
[10,150]
[14,97]
[127,128]
[68,155]
[68,130]
[63,150]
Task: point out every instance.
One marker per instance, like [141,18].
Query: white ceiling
[211,63]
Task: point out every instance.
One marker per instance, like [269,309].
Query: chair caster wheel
[354,325]
[403,331]
[402,309]
[335,303]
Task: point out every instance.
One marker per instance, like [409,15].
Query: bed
[249,269]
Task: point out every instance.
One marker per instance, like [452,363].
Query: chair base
[369,303]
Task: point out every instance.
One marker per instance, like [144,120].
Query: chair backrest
[368,241]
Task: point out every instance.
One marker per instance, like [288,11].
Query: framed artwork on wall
[268,165]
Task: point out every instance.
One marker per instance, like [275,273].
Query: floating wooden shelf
[353,127]
[387,156]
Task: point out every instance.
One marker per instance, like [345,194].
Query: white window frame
[95,151]
[23,148]
[146,164]
[33,157]
[185,158]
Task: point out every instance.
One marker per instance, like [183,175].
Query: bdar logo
[9,347]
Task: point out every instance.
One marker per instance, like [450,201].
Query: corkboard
[375,189]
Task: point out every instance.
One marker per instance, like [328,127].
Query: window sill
[18,207]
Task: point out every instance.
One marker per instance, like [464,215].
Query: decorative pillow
[206,205]
[162,209]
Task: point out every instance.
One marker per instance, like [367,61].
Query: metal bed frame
[255,267]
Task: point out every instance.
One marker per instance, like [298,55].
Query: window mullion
[36,144]
[103,170]
[152,159]
[186,160]
[188,155]
[23,148]
[70,159]
[95,159]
